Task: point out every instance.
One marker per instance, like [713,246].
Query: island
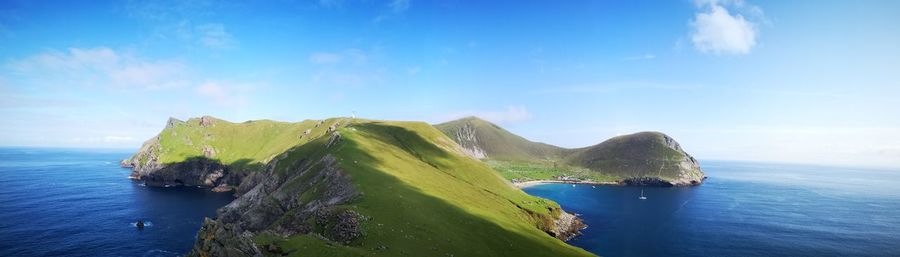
[358,187]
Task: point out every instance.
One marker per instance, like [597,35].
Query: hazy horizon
[765,81]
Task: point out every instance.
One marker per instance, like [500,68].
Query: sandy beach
[541,182]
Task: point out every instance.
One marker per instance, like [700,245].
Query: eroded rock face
[689,168]
[309,192]
[197,171]
[216,239]
[465,136]
[567,226]
[206,121]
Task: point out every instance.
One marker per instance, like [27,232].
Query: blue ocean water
[59,202]
[743,209]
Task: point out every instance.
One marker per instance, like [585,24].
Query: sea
[79,202]
[743,209]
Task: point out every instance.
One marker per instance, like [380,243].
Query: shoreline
[584,182]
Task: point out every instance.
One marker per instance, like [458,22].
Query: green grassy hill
[480,136]
[646,158]
[640,155]
[369,188]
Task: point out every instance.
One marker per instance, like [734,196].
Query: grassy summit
[250,142]
[640,158]
[359,188]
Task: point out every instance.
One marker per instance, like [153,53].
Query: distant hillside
[350,187]
[640,158]
[646,158]
[483,139]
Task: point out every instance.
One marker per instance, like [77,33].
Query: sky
[776,81]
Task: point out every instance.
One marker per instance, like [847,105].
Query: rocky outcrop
[209,151]
[466,137]
[567,226]
[206,121]
[641,159]
[646,181]
[146,160]
[301,202]
[197,171]
[688,167]
[172,122]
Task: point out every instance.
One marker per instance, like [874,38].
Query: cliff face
[274,207]
[195,171]
[340,187]
[643,159]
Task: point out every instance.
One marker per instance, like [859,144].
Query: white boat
[642,195]
[573,185]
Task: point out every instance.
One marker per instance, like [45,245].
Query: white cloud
[99,67]
[214,35]
[715,30]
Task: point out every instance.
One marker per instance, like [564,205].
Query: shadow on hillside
[196,170]
[408,221]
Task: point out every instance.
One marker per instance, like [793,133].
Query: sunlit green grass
[528,171]
[419,194]
[424,199]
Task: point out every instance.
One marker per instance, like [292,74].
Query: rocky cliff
[349,187]
[641,159]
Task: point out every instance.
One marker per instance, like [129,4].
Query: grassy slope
[641,154]
[426,199]
[237,144]
[422,196]
[501,144]
[636,155]
[518,158]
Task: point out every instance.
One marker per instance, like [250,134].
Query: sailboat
[642,195]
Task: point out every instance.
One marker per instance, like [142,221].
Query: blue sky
[784,81]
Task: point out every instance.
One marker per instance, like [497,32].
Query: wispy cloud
[331,3]
[394,8]
[325,58]
[398,6]
[413,70]
[597,88]
[353,56]
[99,67]
[118,139]
[510,114]
[714,29]
[349,67]
[640,57]
[224,93]
[214,35]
